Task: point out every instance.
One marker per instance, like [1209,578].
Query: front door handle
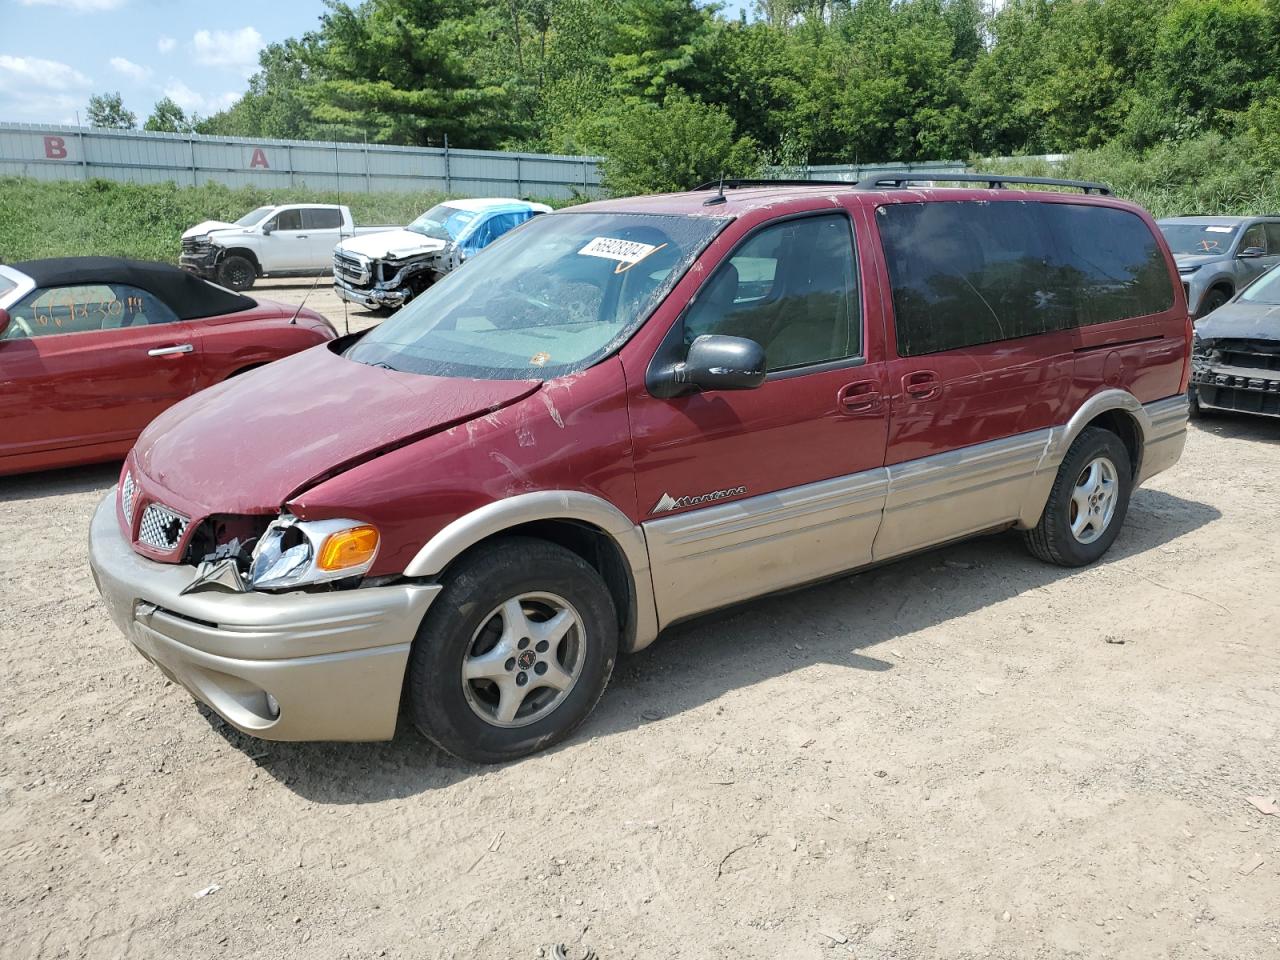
[859,397]
[170,351]
[922,385]
[302,236]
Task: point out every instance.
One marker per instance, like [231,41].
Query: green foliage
[168,117]
[106,110]
[146,221]
[675,145]
[1206,174]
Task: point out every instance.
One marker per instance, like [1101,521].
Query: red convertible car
[93,348]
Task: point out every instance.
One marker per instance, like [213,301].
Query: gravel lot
[966,754]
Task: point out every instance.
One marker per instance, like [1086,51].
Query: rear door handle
[170,351]
[859,397]
[302,236]
[922,385]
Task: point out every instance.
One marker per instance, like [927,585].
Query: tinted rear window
[965,272]
[321,219]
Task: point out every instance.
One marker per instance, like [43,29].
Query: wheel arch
[1118,411]
[586,525]
[245,252]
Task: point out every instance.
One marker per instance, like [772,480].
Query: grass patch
[146,221]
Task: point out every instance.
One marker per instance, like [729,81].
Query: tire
[1212,301]
[237,273]
[1194,410]
[473,627]
[1053,539]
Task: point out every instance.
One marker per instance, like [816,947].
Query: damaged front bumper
[1244,378]
[203,263]
[291,666]
[388,284]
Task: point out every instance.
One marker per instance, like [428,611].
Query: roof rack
[756,182]
[994,181]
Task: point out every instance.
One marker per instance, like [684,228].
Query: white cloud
[237,49]
[19,74]
[194,101]
[166,44]
[129,69]
[79,6]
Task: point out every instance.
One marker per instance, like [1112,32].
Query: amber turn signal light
[348,548]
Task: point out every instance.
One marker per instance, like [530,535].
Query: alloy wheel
[1093,501]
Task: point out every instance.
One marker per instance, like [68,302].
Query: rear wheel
[236,273]
[1088,502]
[514,653]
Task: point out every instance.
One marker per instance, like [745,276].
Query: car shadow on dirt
[844,622]
[57,483]
[1241,426]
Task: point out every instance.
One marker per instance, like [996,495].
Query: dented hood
[391,244]
[1241,320]
[251,443]
[208,226]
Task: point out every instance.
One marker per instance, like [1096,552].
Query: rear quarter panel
[236,342]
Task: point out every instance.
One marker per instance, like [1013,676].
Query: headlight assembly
[296,553]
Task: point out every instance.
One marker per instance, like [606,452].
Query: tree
[674,145]
[106,110]
[168,117]
[657,45]
[275,105]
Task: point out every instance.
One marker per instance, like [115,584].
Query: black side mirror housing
[713,362]
[1251,253]
[267,228]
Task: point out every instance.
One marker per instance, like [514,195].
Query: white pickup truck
[285,240]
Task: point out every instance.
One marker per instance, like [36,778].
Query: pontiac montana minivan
[627,414]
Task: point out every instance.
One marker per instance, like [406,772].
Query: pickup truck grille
[196,246]
[353,270]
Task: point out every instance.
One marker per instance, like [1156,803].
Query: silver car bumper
[333,662]
[370,299]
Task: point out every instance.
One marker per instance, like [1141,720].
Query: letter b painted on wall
[55,148]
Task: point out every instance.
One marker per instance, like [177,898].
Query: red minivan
[627,414]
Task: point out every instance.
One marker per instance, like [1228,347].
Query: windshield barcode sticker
[624,251]
[1219,229]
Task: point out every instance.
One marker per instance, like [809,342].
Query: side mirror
[718,362]
[4,321]
[267,228]
[1251,253]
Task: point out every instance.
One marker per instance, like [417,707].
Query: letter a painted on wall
[55,148]
[259,159]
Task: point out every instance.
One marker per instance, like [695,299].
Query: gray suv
[1218,256]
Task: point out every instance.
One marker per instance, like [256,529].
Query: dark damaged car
[1235,363]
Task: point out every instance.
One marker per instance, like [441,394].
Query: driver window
[792,288]
[86,308]
[1255,236]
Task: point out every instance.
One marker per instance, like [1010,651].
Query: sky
[55,53]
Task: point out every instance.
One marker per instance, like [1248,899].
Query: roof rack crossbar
[730,184]
[994,181]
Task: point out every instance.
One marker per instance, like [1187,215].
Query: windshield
[548,299]
[253,216]
[1266,289]
[1201,239]
[442,222]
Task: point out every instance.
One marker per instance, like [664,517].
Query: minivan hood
[208,226]
[248,445]
[391,244]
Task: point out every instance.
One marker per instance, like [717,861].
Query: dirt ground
[966,754]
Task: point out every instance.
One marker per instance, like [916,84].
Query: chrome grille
[196,246]
[126,495]
[161,528]
[351,269]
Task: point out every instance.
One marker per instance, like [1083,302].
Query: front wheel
[236,273]
[1212,301]
[514,653]
[1088,502]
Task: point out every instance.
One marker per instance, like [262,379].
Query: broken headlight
[296,553]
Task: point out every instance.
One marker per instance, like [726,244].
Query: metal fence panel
[57,152]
